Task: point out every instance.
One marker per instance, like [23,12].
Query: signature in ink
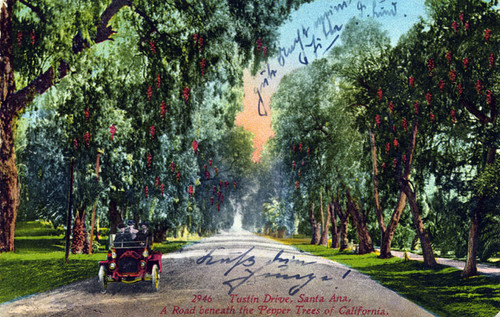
[267,270]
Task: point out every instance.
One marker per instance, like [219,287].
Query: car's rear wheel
[103,278]
[155,278]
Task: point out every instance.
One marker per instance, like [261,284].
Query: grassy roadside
[441,291]
[38,263]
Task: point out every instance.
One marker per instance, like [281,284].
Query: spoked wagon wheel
[155,278]
[103,279]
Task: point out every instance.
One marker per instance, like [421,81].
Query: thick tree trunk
[388,235]
[9,187]
[335,235]
[114,217]
[315,226]
[365,241]
[425,242]
[470,268]
[324,234]
[344,223]
[80,243]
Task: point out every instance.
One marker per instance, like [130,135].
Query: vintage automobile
[130,261]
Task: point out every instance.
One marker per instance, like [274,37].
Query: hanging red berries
[235,185]
[203,65]
[300,147]
[453,115]
[487,35]
[112,130]
[149,93]
[467,26]
[460,89]
[293,148]
[152,46]
[454,25]
[195,146]
[380,94]
[479,86]
[259,44]
[207,175]
[87,115]
[453,75]
[466,63]
[441,85]
[158,81]
[157,181]
[163,109]
[201,43]
[86,138]
[210,162]
[492,60]
[449,57]
[178,176]
[191,191]
[297,184]
[162,189]
[396,143]
[226,184]
[405,124]
[264,51]
[146,191]
[404,158]
[387,147]
[33,37]
[216,170]
[489,97]
[411,81]
[431,116]
[75,143]
[303,163]
[218,207]
[461,16]
[19,38]
[431,65]
[428,98]
[383,166]
[185,93]
[416,105]
[149,158]
[293,165]
[308,151]
[391,107]
[172,167]
[395,163]
[152,131]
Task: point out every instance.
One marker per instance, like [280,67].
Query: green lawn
[441,291]
[38,265]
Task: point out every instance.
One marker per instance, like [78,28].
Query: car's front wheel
[103,278]
[155,278]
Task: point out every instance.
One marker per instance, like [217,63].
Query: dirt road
[229,274]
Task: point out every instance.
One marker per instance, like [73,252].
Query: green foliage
[441,291]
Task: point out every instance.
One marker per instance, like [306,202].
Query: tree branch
[43,82]
[484,119]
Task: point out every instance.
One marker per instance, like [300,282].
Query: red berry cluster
[195,146]
[163,109]
[149,93]
[203,65]
[112,130]
[86,138]
[152,46]
[152,131]
[185,93]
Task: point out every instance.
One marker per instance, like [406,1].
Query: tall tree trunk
[425,242]
[470,268]
[114,216]
[385,244]
[9,186]
[378,208]
[314,226]
[335,235]
[365,241]
[324,234]
[344,223]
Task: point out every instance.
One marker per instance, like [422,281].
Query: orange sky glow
[249,118]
